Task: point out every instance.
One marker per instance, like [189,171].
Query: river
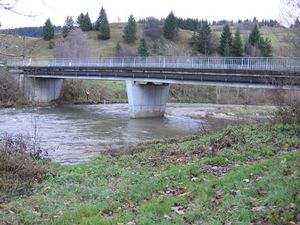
[74,133]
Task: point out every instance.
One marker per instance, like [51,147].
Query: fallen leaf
[11,212]
[259,208]
[254,202]
[68,203]
[287,172]
[218,196]
[235,192]
[37,211]
[60,213]
[107,213]
[193,177]
[226,222]
[81,198]
[181,159]
[292,223]
[178,210]
[129,204]
[131,223]
[168,216]
[261,193]
[188,197]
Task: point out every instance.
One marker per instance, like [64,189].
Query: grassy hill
[37,47]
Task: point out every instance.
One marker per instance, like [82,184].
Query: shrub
[288,114]
[9,90]
[23,164]
[51,45]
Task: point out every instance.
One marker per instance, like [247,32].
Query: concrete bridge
[148,78]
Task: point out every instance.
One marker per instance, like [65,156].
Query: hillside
[37,47]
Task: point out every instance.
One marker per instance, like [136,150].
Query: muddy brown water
[74,133]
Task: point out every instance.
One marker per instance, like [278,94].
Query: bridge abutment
[42,89]
[147,100]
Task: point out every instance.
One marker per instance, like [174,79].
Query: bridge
[148,78]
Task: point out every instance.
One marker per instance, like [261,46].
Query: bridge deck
[267,71]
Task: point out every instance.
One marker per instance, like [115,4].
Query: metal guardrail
[233,63]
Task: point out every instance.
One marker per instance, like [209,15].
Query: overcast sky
[58,10]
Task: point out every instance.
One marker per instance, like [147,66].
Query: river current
[74,133]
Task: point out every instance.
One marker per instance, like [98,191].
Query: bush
[288,114]
[73,91]
[9,90]
[23,164]
[51,45]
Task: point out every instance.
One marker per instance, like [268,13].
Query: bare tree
[290,12]
[152,28]
[75,45]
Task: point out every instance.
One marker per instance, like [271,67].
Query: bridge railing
[234,63]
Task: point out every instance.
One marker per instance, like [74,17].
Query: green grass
[250,176]
[248,111]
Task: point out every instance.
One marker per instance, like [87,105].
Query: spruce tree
[48,30]
[170,27]
[69,25]
[129,35]
[80,20]
[88,26]
[102,25]
[203,38]
[226,41]
[143,49]
[265,47]
[254,36]
[84,22]
[237,45]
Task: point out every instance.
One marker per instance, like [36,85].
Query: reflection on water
[74,133]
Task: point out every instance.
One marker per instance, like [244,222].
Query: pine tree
[226,42]
[80,20]
[130,30]
[48,30]
[143,49]
[237,45]
[69,25]
[170,27]
[102,25]
[203,38]
[84,22]
[254,36]
[88,26]
[265,47]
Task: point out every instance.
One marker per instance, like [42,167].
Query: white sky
[58,10]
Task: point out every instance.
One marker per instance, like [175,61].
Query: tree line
[202,40]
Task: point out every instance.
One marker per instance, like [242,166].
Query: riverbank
[240,175]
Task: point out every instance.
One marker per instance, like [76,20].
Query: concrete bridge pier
[42,89]
[147,100]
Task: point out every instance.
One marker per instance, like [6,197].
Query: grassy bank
[241,175]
